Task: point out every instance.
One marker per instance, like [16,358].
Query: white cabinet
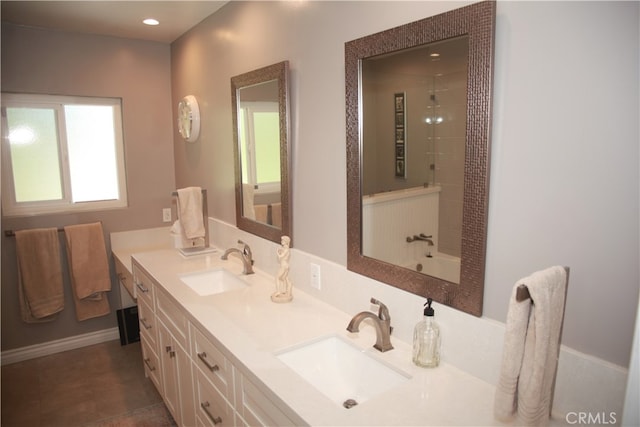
[164,334]
[176,377]
[197,380]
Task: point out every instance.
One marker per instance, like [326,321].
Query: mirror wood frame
[477,21]
[279,72]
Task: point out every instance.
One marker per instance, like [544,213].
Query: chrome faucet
[381,322]
[421,237]
[245,255]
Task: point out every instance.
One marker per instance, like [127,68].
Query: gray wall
[564,177]
[38,61]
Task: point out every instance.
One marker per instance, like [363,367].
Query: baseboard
[31,352]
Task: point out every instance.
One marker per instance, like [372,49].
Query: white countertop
[251,329]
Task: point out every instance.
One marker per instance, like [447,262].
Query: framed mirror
[418,116]
[260,108]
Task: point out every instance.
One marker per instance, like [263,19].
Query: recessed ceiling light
[434,55]
[151,21]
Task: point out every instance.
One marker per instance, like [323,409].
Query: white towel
[531,345]
[190,210]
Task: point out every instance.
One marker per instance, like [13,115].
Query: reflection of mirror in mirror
[418,154]
[260,108]
[259,140]
[423,206]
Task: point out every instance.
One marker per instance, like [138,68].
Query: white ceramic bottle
[426,339]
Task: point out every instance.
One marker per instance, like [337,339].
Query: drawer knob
[203,356]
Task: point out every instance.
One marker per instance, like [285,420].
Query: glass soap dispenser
[426,339]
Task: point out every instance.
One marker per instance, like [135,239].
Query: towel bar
[12,233]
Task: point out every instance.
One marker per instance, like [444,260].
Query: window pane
[267,134]
[92,155]
[33,140]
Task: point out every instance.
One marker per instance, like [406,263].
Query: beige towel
[39,274]
[261,213]
[88,269]
[247,202]
[190,211]
[531,345]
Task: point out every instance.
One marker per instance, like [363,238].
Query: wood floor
[102,384]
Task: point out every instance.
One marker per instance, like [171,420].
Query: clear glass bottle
[426,339]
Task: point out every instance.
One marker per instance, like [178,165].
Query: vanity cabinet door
[176,377]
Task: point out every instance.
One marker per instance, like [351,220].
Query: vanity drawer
[212,409]
[124,276]
[151,364]
[212,363]
[256,409]
[143,286]
[173,318]
[148,325]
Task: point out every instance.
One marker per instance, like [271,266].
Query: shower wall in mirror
[431,139]
[421,227]
[261,148]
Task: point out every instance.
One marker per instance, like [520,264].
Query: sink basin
[342,371]
[212,282]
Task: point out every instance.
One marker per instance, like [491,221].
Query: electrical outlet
[166,215]
[315,276]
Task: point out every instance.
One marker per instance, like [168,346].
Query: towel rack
[11,233]
[522,292]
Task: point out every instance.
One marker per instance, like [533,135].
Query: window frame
[10,207]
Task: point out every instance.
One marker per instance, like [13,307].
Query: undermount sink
[212,282]
[343,372]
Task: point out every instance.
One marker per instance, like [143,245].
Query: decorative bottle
[426,339]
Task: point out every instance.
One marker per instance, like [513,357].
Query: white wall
[564,177]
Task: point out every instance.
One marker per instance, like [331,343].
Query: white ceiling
[112,18]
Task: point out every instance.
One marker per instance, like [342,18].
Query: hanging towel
[190,211]
[276,215]
[39,274]
[88,270]
[248,210]
[531,345]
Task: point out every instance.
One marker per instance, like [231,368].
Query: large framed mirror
[418,116]
[260,107]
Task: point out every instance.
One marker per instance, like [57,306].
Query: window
[61,154]
[260,145]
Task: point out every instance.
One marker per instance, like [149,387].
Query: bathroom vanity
[221,353]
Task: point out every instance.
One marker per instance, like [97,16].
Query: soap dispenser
[426,339]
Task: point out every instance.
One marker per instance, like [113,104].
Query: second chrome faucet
[381,322]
